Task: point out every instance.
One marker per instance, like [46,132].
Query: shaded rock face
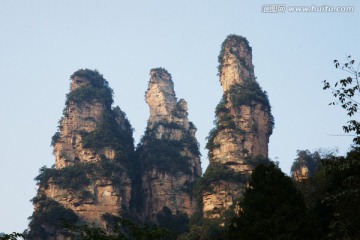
[243,122]
[168,152]
[93,151]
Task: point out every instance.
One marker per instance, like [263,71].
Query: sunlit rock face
[168,152]
[85,116]
[243,123]
[93,149]
[301,174]
[235,60]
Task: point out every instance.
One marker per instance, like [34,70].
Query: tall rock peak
[243,125]
[93,149]
[243,119]
[162,100]
[168,152]
[87,111]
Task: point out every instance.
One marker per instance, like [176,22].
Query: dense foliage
[55,138]
[11,236]
[333,197]
[110,134]
[160,71]
[165,153]
[217,172]
[79,176]
[208,229]
[272,207]
[98,88]
[49,219]
[88,94]
[343,195]
[248,93]
[176,223]
[118,228]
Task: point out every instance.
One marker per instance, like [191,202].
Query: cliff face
[168,152]
[243,124]
[93,150]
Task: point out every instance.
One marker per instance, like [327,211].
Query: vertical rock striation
[93,150]
[168,151]
[243,126]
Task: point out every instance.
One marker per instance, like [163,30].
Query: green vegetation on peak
[93,76]
[110,134]
[248,93]
[98,88]
[236,39]
[232,40]
[159,71]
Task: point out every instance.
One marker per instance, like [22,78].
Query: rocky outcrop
[305,165]
[227,193]
[243,123]
[88,108]
[301,174]
[105,197]
[93,150]
[168,152]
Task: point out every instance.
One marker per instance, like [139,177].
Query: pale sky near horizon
[43,42]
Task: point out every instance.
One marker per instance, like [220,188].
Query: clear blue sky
[43,42]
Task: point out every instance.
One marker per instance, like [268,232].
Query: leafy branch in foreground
[118,228]
[11,236]
[347,94]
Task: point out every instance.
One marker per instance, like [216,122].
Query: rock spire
[93,150]
[243,124]
[168,153]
